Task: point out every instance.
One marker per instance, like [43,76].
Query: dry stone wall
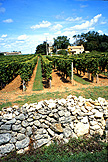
[39,123]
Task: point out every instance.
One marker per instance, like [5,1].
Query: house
[70,49]
[50,49]
[75,49]
[12,53]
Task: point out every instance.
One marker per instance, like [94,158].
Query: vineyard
[11,66]
[42,74]
[92,63]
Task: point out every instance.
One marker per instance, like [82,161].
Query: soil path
[12,91]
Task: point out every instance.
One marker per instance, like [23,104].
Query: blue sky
[24,24]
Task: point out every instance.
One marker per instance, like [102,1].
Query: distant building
[50,49]
[70,49]
[12,53]
[75,49]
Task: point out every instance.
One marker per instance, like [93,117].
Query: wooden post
[24,86]
[75,69]
[72,73]
[96,78]
[88,74]
[107,74]
[92,78]
[50,82]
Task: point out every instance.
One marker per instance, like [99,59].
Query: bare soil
[13,90]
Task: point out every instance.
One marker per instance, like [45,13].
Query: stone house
[75,49]
[70,49]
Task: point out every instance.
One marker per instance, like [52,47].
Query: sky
[24,24]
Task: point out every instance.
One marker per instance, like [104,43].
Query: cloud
[60,16]
[83,6]
[4,36]
[2,9]
[58,33]
[100,32]
[22,37]
[8,21]
[103,22]
[87,24]
[72,19]
[43,24]
[56,27]
[46,34]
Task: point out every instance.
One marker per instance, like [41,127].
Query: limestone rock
[6,127]
[24,123]
[84,120]
[6,148]
[23,143]
[42,142]
[20,117]
[58,128]
[61,113]
[20,136]
[81,129]
[7,116]
[50,132]
[16,127]
[12,121]
[29,131]
[4,138]
[37,123]
[67,132]
[52,105]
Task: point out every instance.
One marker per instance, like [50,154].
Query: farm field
[61,87]
[12,94]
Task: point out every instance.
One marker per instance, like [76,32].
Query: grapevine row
[47,68]
[10,67]
[92,63]
[26,68]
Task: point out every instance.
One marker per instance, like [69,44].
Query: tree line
[91,41]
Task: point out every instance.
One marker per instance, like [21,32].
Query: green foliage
[26,68]
[1,54]
[94,62]
[10,67]
[93,41]
[47,67]
[41,49]
[61,42]
[37,85]
[62,52]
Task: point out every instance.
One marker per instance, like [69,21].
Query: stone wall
[39,123]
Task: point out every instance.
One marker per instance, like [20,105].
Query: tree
[92,41]
[61,42]
[41,49]
[62,52]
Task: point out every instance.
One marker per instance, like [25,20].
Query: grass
[76,150]
[80,80]
[95,92]
[7,104]
[90,92]
[43,96]
[38,85]
[104,73]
